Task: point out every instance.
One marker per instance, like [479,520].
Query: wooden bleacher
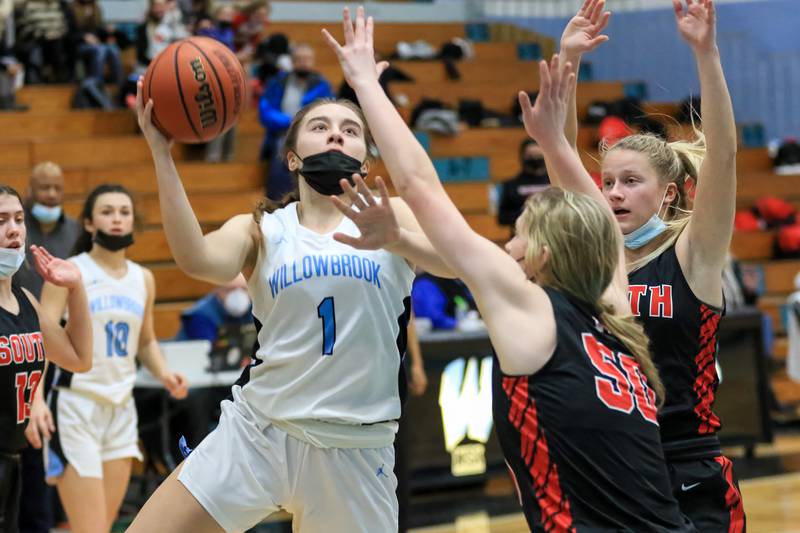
[95,147]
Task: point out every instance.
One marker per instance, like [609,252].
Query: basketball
[198,89]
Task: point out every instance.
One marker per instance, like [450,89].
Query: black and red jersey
[683,341]
[581,436]
[21,366]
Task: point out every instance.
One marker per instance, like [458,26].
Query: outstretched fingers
[370,32]
[678,7]
[603,22]
[333,44]
[355,198]
[544,77]
[711,12]
[347,24]
[363,190]
[349,240]
[361,29]
[597,11]
[345,209]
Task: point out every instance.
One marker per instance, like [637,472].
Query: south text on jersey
[655,299]
[21,348]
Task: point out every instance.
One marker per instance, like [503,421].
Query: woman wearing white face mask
[89,456]
[675,256]
[26,335]
[227,305]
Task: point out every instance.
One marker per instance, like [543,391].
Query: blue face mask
[44,214]
[648,231]
[645,233]
[10,261]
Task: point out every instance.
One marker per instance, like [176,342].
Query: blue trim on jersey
[319,266]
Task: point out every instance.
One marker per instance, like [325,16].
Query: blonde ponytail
[632,335]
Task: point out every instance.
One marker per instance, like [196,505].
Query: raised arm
[508,301]
[545,123]
[580,36]
[706,241]
[69,347]
[217,257]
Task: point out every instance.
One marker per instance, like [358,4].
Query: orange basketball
[198,89]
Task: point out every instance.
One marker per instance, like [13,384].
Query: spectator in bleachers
[162,27]
[441,301]
[11,71]
[285,94]
[531,179]
[226,305]
[96,43]
[250,25]
[194,11]
[220,27]
[47,224]
[48,227]
[43,40]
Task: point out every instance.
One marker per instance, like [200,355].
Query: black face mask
[112,243]
[534,165]
[224,24]
[324,170]
[302,73]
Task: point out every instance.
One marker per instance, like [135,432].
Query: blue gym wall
[759,43]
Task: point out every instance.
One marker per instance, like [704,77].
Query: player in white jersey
[310,424]
[89,455]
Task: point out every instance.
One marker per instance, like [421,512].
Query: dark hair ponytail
[84,242]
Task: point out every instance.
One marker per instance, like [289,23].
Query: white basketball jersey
[117,310]
[332,325]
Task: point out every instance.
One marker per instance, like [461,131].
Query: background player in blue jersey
[26,334]
[89,455]
[575,394]
[310,424]
[675,256]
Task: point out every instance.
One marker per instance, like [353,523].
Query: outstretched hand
[545,120]
[357,56]
[57,271]
[582,33]
[375,220]
[697,23]
[144,112]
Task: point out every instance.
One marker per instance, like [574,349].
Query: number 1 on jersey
[326,312]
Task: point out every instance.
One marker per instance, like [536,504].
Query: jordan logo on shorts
[380,472]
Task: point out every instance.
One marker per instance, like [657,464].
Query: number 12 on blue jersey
[326,312]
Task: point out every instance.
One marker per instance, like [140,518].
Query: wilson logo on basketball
[204,98]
